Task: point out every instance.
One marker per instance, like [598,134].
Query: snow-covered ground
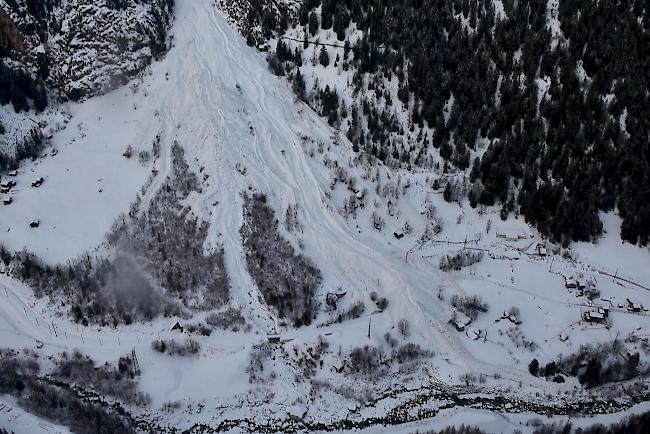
[215,96]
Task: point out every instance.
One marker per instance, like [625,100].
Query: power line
[313,42]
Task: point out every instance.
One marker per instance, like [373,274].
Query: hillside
[53,51]
[200,250]
[542,106]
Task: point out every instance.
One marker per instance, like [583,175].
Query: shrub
[598,364]
[61,405]
[105,379]
[354,311]
[463,258]
[188,348]
[409,352]
[365,360]
[471,306]
[230,319]
[259,355]
[287,280]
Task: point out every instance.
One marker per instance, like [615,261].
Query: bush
[188,348]
[106,379]
[471,306]
[230,319]
[61,405]
[404,327]
[259,356]
[409,352]
[365,360]
[594,365]
[463,258]
[380,302]
[287,280]
[355,311]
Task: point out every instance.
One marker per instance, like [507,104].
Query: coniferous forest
[564,107]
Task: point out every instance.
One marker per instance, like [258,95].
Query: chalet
[7,200]
[176,326]
[541,250]
[6,186]
[273,337]
[510,236]
[511,317]
[398,235]
[594,316]
[34,223]
[13,173]
[460,321]
[54,152]
[473,334]
[331,300]
[570,282]
[564,337]
[38,182]
[603,311]
[633,306]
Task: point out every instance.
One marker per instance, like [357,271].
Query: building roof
[594,315]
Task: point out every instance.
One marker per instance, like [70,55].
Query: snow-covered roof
[594,315]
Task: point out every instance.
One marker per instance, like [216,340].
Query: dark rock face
[84,47]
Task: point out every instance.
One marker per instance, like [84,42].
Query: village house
[594,317]
[633,306]
[460,321]
[6,186]
[510,236]
[7,200]
[38,182]
[273,337]
[570,282]
[511,317]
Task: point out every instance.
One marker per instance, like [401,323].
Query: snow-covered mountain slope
[366,228]
[83,47]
